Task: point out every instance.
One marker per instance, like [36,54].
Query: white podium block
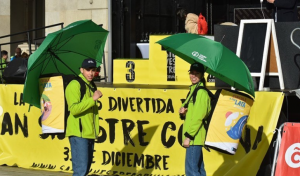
[144,48]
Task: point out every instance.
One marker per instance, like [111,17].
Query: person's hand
[186,142]
[271,1]
[97,94]
[182,110]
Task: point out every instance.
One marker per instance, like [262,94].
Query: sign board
[253,48]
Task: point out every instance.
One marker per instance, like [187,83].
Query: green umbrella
[63,52]
[218,60]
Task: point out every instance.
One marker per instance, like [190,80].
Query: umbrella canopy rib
[45,66]
[54,61]
[67,51]
[58,38]
[64,41]
[69,38]
[63,62]
[38,64]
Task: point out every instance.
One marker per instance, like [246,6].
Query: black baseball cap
[89,63]
[197,67]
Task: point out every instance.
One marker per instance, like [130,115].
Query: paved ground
[16,171]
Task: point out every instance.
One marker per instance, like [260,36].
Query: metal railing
[277,143]
[20,41]
[35,44]
[28,36]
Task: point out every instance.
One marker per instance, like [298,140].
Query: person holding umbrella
[194,111]
[82,124]
[218,60]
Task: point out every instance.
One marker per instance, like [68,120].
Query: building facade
[22,15]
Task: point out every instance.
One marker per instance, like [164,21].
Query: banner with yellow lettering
[139,135]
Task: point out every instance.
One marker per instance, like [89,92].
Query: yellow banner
[228,121]
[139,130]
[52,104]
[261,124]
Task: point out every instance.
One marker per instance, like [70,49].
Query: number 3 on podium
[130,77]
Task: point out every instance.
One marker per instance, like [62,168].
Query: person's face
[195,76]
[18,51]
[4,57]
[88,73]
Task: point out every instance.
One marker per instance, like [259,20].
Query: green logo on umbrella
[98,44]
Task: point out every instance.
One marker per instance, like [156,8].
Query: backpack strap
[194,95]
[83,86]
[206,120]
[94,88]
[187,103]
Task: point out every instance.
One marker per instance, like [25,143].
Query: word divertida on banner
[140,133]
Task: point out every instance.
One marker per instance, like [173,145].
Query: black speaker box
[228,36]
[15,72]
[289,55]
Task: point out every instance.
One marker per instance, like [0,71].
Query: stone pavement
[17,171]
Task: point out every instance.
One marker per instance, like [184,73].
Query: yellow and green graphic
[228,120]
[52,104]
